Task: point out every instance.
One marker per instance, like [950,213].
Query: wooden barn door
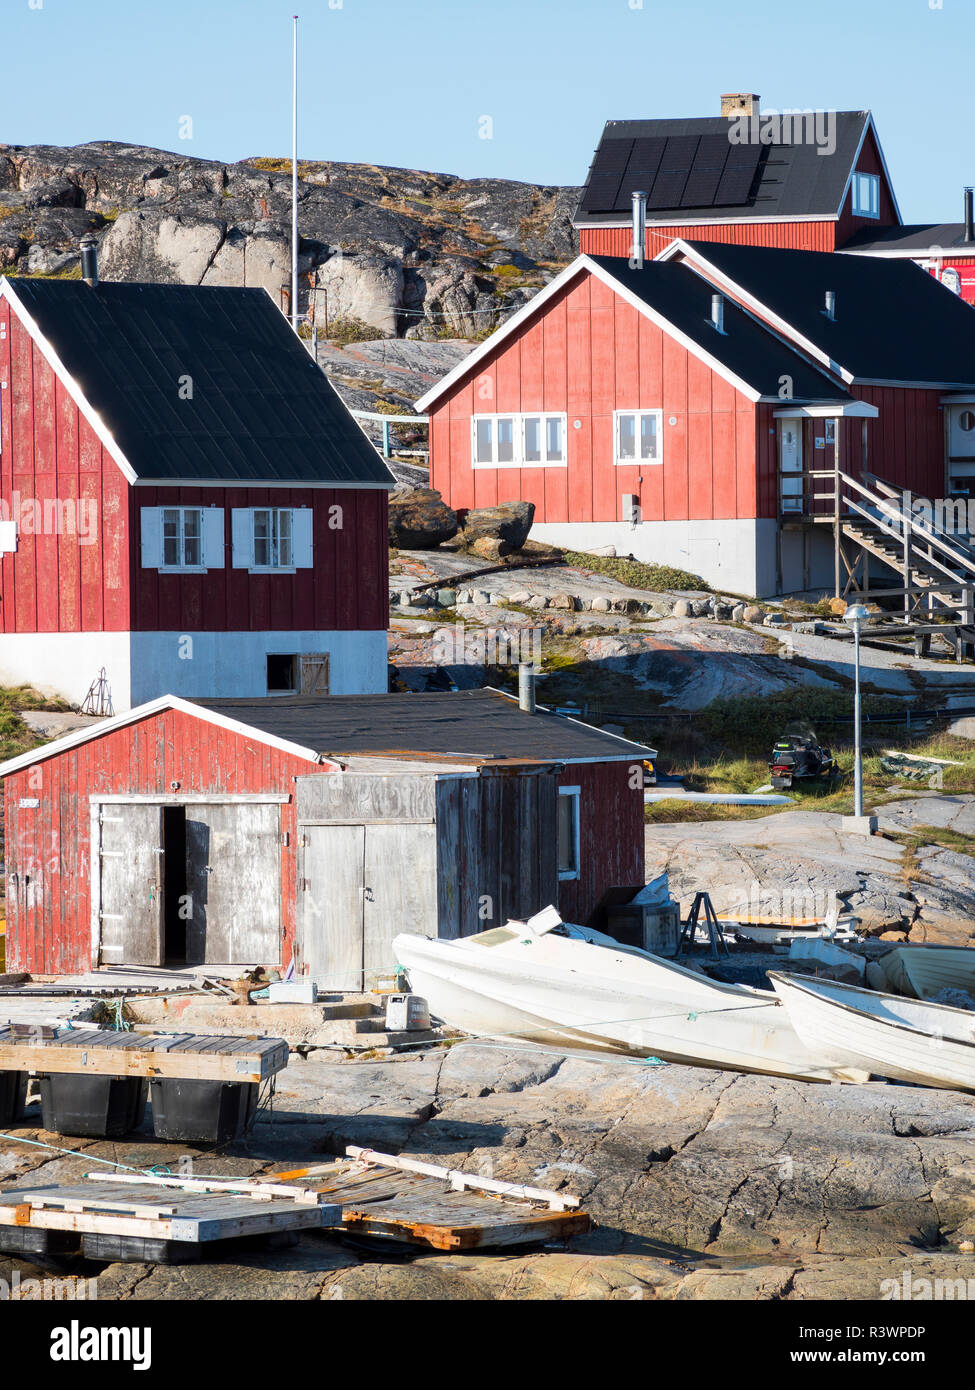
[130,883]
[361,886]
[330,904]
[233,879]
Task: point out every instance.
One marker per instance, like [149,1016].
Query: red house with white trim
[680,409]
[185,502]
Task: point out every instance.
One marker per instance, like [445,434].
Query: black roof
[922,236]
[747,348]
[468,724]
[679,161]
[260,410]
[894,321]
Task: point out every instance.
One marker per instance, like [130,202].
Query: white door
[961,447]
[330,904]
[790,465]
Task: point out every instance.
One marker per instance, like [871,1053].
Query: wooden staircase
[935,566]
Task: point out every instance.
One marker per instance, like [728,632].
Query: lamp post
[856,615]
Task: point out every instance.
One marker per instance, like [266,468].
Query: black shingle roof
[261,410]
[918,237]
[747,348]
[794,180]
[894,321]
[469,724]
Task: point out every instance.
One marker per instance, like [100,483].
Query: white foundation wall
[142,665]
[234,664]
[65,664]
[737,557]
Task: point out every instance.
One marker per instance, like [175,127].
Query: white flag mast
[294,178]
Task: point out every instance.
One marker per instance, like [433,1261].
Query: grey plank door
[233,879]
[330,904]
[130,868]
[400,889]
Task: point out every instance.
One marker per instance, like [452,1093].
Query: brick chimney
[739,104]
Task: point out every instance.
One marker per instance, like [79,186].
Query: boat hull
[903,1039]
[925,970]
[592,998]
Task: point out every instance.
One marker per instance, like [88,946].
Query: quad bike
[797,757]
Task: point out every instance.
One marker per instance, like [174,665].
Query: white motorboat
[903,1039]
[922,971]
[544,987]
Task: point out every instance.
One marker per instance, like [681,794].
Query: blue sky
[406,82]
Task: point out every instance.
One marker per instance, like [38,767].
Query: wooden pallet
[415,1203]
[188,1056]
[156,1212]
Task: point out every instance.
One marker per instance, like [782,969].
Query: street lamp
[856,615]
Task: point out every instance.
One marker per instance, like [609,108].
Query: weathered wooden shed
[244,832]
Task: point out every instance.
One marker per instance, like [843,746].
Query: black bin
[210,1112]
[13,1095]
[95,1107]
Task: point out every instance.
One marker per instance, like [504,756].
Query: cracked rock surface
[702,1184]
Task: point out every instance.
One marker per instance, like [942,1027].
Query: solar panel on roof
[705,175]
[603,190]
[739,174]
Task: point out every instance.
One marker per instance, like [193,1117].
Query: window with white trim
[182,540]
[568,832]
[638,436]
[866,195]
[272,540]
[532,439]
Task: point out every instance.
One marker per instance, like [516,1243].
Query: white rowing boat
[922,971]
[904,1039]
[543,987]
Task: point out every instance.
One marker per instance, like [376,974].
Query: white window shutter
[151,533]
[213,538]
[242,537]
[301,537]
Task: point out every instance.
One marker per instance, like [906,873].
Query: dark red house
[680,410]
[184,499]
[313,830]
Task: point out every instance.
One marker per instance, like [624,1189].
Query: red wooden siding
[67,583]
[906,443]
[345,590]
[48,847]
[611,835]
[868,163]
[795,236]
[49,452]
[590,353]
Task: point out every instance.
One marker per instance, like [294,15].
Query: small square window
[866,195]
[281,674]
[637,436]
[182,537]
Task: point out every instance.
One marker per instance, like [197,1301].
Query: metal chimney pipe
[969,216]
[830,309]
[717,312]
[89,260]
[526,686]
[639,230]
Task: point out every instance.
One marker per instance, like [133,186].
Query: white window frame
[152,542]
[273,539]
[871,206]
[575,794]
[243,539]
[638,462]
[519,420]
[182,567]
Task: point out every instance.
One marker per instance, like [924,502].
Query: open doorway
[174,885]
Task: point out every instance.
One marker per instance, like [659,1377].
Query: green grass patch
[637,575]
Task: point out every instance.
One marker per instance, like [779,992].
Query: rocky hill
[384,252]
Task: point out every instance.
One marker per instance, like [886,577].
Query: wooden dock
[186,1056]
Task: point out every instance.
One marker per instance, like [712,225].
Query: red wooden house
[677,410]
[184,499]
[805,180]
[313,830]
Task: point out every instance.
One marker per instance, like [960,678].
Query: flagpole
[294,178]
